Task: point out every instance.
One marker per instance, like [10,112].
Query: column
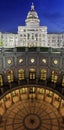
[10,85]
[54,86]
[18,82]
[62,89]
[4,63]
[2,89]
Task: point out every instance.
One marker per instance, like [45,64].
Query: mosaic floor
[32,115]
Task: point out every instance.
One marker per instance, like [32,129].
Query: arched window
[10,76]
[43,74]
[23,90]
[32,90]
[41,91]
[32,74]
[21,74]
[1,80]
[54,76]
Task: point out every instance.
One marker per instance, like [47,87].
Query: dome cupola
[32,17]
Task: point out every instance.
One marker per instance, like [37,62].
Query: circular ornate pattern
[55,62]
[9,61]
[44,60]
[20,60]
[32,60]
[32,115]
[32,122]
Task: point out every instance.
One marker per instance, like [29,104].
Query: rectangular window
[32,75]
[21,74]
[43,74]
[1,80]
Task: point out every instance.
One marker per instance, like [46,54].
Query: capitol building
[32,77]
[32,35]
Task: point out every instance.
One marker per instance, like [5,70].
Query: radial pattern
[32,115]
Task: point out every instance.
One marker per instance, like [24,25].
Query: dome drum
[32,17]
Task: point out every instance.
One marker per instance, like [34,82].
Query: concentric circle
[32,122]
[32,115]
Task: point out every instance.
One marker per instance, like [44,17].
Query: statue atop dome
[32,6]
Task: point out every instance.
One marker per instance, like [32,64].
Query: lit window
[54,76]
[20,74]
[32,74]
[13,93]
[41,91]
[43,74]
[44,60]
[10,76]
[9,61]
[55,62]
[1,80]
[23,90]
[32,60]
[32,90]
[20,60]
[63,81]
[50,93]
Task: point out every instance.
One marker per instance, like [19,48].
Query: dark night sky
[14,12]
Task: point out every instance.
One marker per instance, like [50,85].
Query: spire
[32,6]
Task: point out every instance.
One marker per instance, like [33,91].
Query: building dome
[32,17]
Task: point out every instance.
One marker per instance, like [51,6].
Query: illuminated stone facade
[29,56]
[31,77]
[31,35]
